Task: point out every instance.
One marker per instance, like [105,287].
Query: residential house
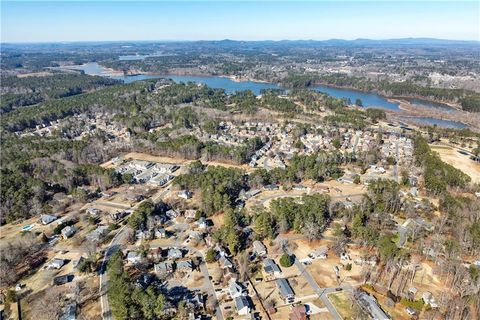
[163,267]
[410,311]
[172,214]
[185,265]
[190,214]
[47,219]
[115,216]
[160,233]
[97,234]
[320,253]
[202,223]
[370,305]
[145,280]
[196,301]
[195,235]
[225,262]
[69,312]
[93,211]
[56,263]
[134,257]
[271,268]
[185,194]
[68,231]
[174,253]
[155,253]
[62,279]
[298,313]
[428,298]
[236,290]
[285,290]
[259,248]
[142,234]
[242,305]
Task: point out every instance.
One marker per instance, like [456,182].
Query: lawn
[342,303]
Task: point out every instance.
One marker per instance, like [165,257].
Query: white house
[134,257]
[259,248]
[93,211]
[202,223]
[175,253]
[160,233]
[172,214]
[242,305]
[429,299]
[56,263]
[235,290]
[185,194]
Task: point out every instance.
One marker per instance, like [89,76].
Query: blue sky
[40,21]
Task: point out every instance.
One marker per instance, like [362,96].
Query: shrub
[286,260]
[210,256]
[415,304]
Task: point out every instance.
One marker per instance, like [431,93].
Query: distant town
[156,198]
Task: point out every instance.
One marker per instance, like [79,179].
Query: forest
[19,92]
[465,98]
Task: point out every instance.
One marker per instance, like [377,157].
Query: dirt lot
[322,270]
[148,157]
[460,161]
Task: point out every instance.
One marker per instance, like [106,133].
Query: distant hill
[231,43]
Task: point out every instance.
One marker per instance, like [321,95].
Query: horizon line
[233,40]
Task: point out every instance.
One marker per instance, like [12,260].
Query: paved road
[321,292]
[113,205]
[113,247]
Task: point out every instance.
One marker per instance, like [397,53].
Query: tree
[387,248]
[286,260]
[359,102]
[159,305]
[210,256]
[356,180]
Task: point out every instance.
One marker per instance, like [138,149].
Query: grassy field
[342,303]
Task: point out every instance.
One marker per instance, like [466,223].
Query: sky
[39,21]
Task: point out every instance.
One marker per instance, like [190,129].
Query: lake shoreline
[395,106]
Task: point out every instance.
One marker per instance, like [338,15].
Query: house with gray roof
[259,248]
[174,253]
[163,267]
[285,290]
[271,268]
[185,265]
[370,305]
[47,218]
[242,305]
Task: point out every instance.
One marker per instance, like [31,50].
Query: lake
[371,100]
[439,122]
